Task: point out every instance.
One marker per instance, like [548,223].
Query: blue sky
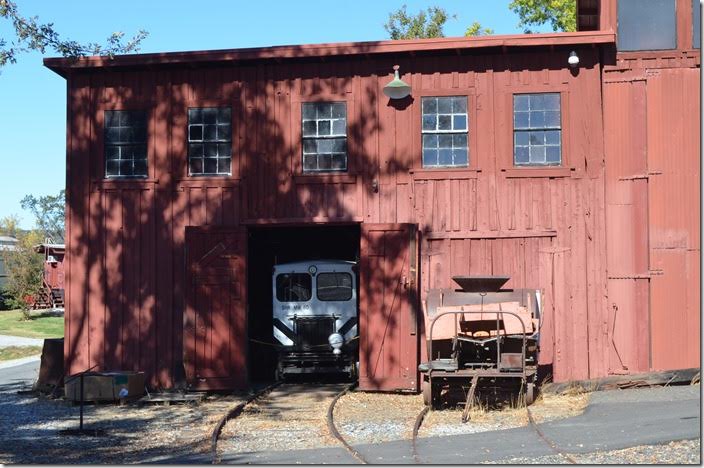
[33,99]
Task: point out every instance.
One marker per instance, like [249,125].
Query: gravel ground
[30,426]
[684,452]
[374,417]
[292,417]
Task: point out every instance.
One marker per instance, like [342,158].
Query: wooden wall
[653,147]
[543,227]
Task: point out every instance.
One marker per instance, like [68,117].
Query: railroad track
[296,398]
[551,443]
[297,404]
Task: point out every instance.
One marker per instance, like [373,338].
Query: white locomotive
[315,317]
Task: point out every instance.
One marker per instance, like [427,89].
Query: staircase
[49,298]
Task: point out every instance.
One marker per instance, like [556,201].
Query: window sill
[329,178]
[520,172]
[445,173]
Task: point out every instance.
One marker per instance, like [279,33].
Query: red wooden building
[189,174]
[52,293]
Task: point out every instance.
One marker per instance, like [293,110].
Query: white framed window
[537,130]
[125,143]
[324,132]
[445,127]
[209,141]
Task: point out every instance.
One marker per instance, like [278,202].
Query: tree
[30,34]
[424,25]
[561,14]
[476,29]
[24,267]
[48,213]
[10,226]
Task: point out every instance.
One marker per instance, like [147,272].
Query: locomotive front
[315,317]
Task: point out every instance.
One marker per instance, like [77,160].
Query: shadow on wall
[128,278]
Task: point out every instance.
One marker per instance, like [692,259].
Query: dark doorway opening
[268,246]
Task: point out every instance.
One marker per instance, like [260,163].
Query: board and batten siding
[543,227]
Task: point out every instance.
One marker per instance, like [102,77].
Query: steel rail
[551,443]
[333,430]
[233,413]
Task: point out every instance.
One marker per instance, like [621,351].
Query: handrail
[457,312]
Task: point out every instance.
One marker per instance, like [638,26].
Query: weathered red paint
[388,320]
[215,329]
[570,231]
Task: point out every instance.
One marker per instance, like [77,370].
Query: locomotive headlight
[336,341]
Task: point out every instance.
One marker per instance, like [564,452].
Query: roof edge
[61,65]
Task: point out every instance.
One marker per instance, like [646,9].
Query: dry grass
[9,353]
[549,407]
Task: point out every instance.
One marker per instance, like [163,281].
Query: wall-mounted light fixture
[397,88]
[573,59]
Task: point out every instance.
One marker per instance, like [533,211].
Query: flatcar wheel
[427,393]
[530,393]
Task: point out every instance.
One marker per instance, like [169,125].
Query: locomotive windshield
[293,287]
[334,286]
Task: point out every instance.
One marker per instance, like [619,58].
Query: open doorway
[272,245]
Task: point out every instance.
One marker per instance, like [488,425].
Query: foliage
[30,34]
[424,25]
[48,212]
[476,29]
[25,269]
[10,226]
[561,14]
[42,324]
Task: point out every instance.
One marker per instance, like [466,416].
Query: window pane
[696,24]
[308,111]
[552,154]
[444,105]
[537,154]
[537,120]
[310,162]
[430,141]
[195,116]
[339,111]
[459,105]
[216,134]
[444,126]
[552,119]
[552,137]
[323,127]
[429,122]
[521,138]
[430,105]
[445,141]
[459,122]
[224,149]
[210,115]
[321,121]
[521,154]
[520,102]
[339,127]
[445,157]
[324,110]
[195,133]
[646,25]
[224,166]
[430,157]
[310,128]
[334,286]
[520,120]
[459,157]
[125,148]
[293,287]
[444,122]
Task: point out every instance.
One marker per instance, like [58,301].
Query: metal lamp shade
[397,88]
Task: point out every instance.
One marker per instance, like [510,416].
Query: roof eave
[62,65]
